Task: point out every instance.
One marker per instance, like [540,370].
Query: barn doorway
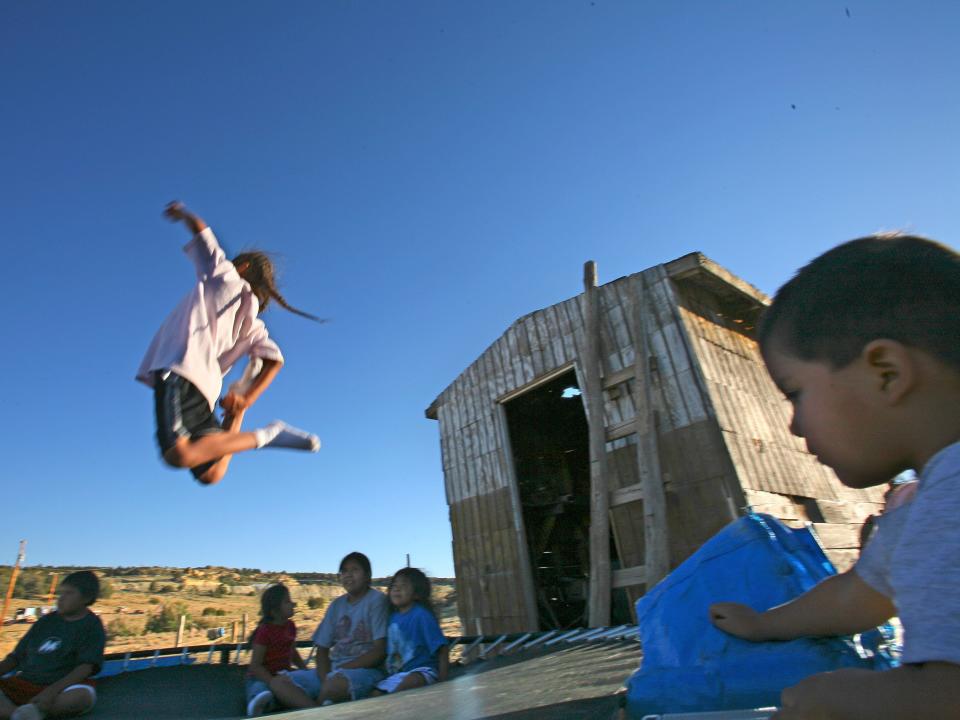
[551,457]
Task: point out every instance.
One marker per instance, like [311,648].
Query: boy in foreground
[865,344]
[57,657]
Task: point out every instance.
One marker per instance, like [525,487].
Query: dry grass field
[210,597]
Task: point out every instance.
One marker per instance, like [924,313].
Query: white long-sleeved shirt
[213,326]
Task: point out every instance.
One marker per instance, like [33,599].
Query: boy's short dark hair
[900,287]
[86,583]
[360,559]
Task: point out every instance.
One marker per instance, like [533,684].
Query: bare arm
[296,659]
[371,658]
[233,402]
[176,211]
[257,668]
[323,662]
[840,605]
[443,662]
[930,691]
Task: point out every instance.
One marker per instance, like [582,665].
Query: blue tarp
[691,666]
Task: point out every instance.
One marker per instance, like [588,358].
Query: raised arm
[176,211]
[840,605]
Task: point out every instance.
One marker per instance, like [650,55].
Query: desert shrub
[315,603]
[168,619]
[203,623]
[106,589]
[154,586]
[213,611]
[120,628]
[222,589]
[154,601]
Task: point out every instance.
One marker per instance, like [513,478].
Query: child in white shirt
[215,325]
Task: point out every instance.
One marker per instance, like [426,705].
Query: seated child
[417,652]
[865,343]
[351,639]
[55,660]
[274,651]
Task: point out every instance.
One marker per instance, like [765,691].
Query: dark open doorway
[551,456]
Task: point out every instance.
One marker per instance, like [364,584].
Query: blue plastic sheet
[691,666]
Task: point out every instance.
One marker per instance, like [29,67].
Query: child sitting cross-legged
[417,652]
[865,344]
[57,657]
[274,650]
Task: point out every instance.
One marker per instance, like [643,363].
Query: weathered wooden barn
[601,440]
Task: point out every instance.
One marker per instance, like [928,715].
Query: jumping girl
[214,326]
[417,652]
[274,650]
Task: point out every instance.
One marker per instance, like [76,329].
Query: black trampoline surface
[576,682]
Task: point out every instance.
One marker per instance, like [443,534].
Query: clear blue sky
[428,172]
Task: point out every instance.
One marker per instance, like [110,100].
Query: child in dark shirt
[55,660]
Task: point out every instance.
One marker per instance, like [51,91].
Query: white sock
[280,435]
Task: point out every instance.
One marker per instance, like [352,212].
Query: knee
[213,475]
[179,455]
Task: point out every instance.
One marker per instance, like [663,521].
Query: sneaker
[261,703]
[27,712]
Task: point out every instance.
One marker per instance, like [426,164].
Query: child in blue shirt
[417,652]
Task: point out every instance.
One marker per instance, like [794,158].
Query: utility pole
[53,588]
[21,554]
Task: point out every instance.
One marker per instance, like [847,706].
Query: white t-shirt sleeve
[205,253]
[250,332]
[925,569]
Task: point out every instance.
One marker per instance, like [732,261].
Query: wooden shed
[600,441]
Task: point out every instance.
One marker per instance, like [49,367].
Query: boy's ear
[892,368]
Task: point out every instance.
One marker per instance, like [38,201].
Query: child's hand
[739,620]
[174,211]
[234,403]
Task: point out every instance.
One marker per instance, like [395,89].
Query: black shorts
[182,411]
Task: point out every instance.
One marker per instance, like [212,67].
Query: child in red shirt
[274,651]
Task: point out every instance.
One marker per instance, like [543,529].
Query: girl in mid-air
[417,652]
[213,327]
[273,652]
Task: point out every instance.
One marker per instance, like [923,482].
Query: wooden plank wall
[778,476]
[477,469]
[723,438]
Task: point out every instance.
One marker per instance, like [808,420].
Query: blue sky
[427,172]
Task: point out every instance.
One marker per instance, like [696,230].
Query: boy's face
[836,412]
[353,577]
[69,600]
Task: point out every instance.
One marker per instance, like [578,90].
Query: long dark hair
[420,583]
[262,278]
[270,601]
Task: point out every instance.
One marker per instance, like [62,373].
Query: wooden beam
[625,495]
[531,619]
[630,576]
[615,378]
[656,542]
[599,598]
[615,432]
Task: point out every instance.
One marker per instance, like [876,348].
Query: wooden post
[233,632]
[183,624]
[599,600]
[243,627]
[53,588]
[21,554]
[656,543]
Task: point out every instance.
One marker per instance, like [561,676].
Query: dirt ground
[230,599]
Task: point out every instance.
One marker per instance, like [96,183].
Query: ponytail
[259,273]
